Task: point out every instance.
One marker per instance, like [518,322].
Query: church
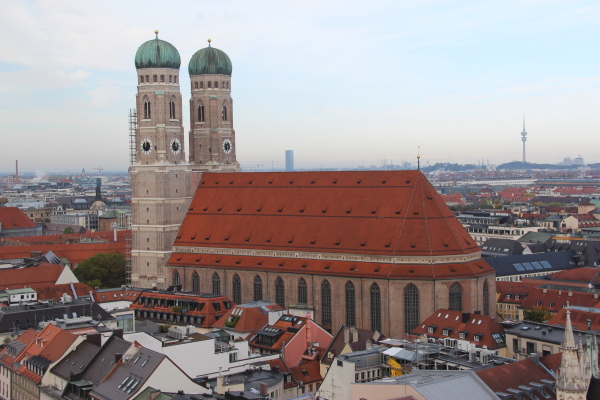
[378,250]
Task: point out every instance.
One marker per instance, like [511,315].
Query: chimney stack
[17,172]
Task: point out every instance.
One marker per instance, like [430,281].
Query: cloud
[24,81]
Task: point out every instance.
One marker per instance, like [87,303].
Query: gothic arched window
[154,78]
[147,113]
[172,108]
[302,296]
[176,278]
[258,295]
[162,78]
[201,85]
[175,79]
[375,308]
[216,283]
[455,302]
[279,292]
[350,304]
[141,78]
[209,84]
[216,84]
[170,78]
[237,289]
[147,79]
[326,304]
[201,112]
[486,300]
[196,85]
[224,112]
[411,307]
[195,283]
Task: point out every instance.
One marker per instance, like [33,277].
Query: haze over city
[342,84]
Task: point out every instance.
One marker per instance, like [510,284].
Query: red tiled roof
[554,299]
[45,273]
[476,324]
[121,294]
[365,212]
[308,372]
[74,252]
[283,324]
[14,218]
[582,274]
[579,319]
[511,376]
[334,268]
[251,319]
[552,362]
[7,359]
[54,292]
[520,289]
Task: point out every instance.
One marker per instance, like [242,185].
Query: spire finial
[209,42]
[156,33]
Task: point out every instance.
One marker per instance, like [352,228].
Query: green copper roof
[210,61]
[157,53]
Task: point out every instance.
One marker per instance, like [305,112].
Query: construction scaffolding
[132,134]
[128,265]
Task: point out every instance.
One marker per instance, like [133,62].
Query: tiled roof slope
[14,218]
[44,273]
[512,377]
[362,212]
[251,317]
[74,252]
[579,319]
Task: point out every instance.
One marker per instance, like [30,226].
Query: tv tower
[524,139]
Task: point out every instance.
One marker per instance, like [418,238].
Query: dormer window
[508,297]
[517,297]
[476,338]
[446,332]
[538,303]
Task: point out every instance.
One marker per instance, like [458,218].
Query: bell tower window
[162,78]
[175,79]
[196,85]
[147,79]
[154,78]
[209,82]
[141,78]
[170,78]
[201,85]
[216,85]
[172,109]
[201,112]
[147,114]
[224,112]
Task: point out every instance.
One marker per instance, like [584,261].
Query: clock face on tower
[175,146]
[227,146]
[146,146]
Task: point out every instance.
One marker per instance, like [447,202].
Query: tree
[68,230]
[537,314]
[102,270]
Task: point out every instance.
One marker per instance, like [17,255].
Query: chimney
[346,334]
[118,333]
[17,172]
[118,357]
[95,338]
[354,334]
[544,291]
[535,358]
[465,317]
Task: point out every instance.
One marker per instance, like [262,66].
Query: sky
[342,83]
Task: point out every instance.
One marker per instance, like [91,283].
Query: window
[162,78]
[411,307]
[201,112]
[195,283]
[176,278]
[302,296]
[154,78]
[201,85]
[209,83]
[216,84]
[147,113]
[350,304]
[279,292]
[530,348]
[486,298]
[476,338]
[170,78]
[462,335]
[147,79]
[375,308]
[175,79]
[326,303]
[258,290]
[455,297]
[216,284]
[141,78]
[224,112]
[237,289]
[172,108]
[196,85]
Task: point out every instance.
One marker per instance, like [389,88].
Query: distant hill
[525,165]
[450,167]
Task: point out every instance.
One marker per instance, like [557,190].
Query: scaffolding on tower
[132,131]
[128,264]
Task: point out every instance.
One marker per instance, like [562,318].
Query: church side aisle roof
[387,213]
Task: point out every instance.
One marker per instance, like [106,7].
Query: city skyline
[343,86]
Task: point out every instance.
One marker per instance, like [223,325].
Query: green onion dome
[157,53]
[210,60]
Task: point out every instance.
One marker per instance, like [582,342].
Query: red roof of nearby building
[54,292]
[308,372]
[555,299]
[513,292]
[7,358]
[552,362]
[45,273]
[14,218]
[74,252]
[249,319]
[106,296]
[513,375]
[490,332]
[582,274]
[579,319]
[283,323]
[367,212]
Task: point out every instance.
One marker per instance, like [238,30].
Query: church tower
[212,137]
[575,373]
[160,175]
